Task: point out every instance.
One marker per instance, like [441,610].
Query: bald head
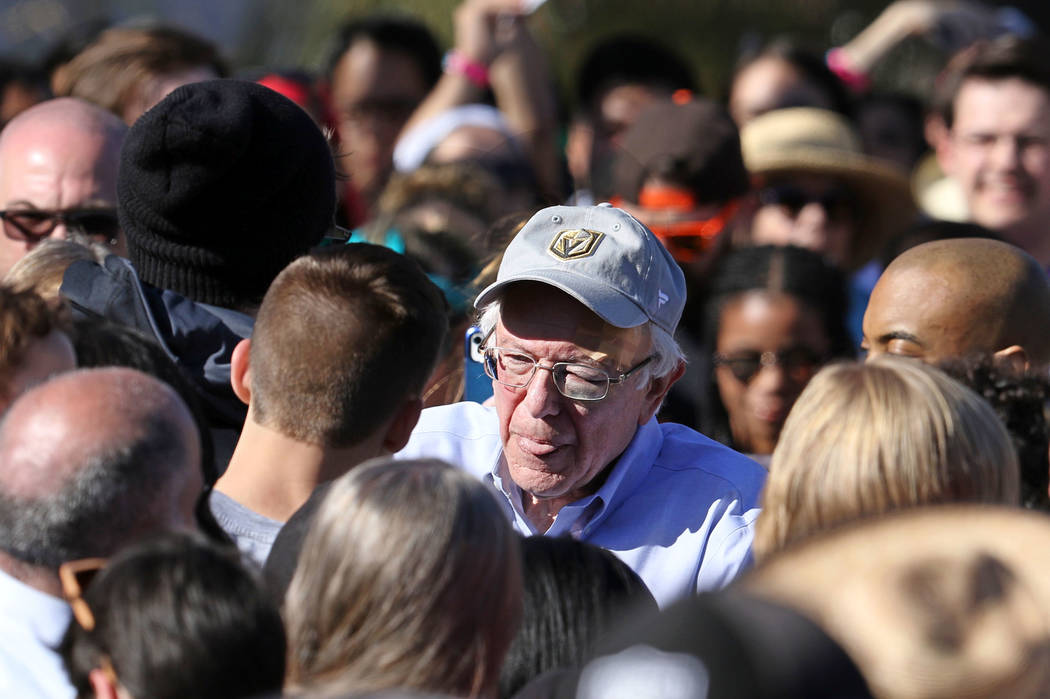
[959,298]
[92,460]
[60,155]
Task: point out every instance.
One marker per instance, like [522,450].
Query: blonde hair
[42,268]
[865,439]
[409,577]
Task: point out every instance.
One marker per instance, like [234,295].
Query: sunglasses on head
[799,363]
[75,577]
[33,225]
[685,239]
[838,202]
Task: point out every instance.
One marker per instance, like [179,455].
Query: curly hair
[25,317]
[1020,401]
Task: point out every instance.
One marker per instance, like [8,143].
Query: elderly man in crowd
[579,344]
[58,176]
[69,492]
[956,298]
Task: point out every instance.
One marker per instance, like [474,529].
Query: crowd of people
[411,378]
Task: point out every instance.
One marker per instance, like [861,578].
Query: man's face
[61,170]
[928,316]
[555,447]
[998,150]
[374,91]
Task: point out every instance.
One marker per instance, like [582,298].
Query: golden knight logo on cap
[572,244]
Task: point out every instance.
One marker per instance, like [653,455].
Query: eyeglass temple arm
[627,374]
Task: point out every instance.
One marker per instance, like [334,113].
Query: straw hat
[820,142]
[947,601]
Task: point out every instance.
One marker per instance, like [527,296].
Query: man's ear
[658,388]
[101,685]
[240,371]
[400,427]
[1013,359]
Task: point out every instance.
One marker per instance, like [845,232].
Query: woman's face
[816,212]
[768,347]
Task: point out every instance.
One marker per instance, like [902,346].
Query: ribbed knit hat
[221,185]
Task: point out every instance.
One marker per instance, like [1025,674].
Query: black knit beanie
[221,185]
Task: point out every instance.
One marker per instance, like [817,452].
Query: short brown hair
[343,336]
[116,70]
[25,316]
[1004,58]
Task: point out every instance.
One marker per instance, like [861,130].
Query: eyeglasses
[75,577]
[574,381]
[838,202]
[33,225]
[799,363]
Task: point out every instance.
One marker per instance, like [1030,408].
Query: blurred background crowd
[245,247]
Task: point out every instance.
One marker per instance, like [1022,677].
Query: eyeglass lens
[575,381]
[34,225]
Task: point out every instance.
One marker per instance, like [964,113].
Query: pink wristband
[474,71]
[839,64]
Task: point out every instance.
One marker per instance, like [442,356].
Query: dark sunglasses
[799,363]
[33,225]
[838,202]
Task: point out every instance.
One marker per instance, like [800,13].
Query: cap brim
[608,303]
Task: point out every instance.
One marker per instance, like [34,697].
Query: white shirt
[32,623]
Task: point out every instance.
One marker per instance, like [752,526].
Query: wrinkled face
[374,91]
[783,343]
[63,171]
[556,447]
[924,315]
[999,152]
[815,212]
[44,357]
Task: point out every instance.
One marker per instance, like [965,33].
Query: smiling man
[998,146]
[579,343]
[58,176]
[959,298]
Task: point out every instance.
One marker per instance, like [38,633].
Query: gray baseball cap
[601,256]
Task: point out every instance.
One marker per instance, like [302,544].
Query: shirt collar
[45,616]
[627,472]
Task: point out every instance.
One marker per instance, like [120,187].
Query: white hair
[665,350]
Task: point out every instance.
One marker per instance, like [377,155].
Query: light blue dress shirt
[31,625]
[677,507]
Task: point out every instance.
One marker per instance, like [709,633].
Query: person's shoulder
[687,454]
[464,420]
[464,434]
